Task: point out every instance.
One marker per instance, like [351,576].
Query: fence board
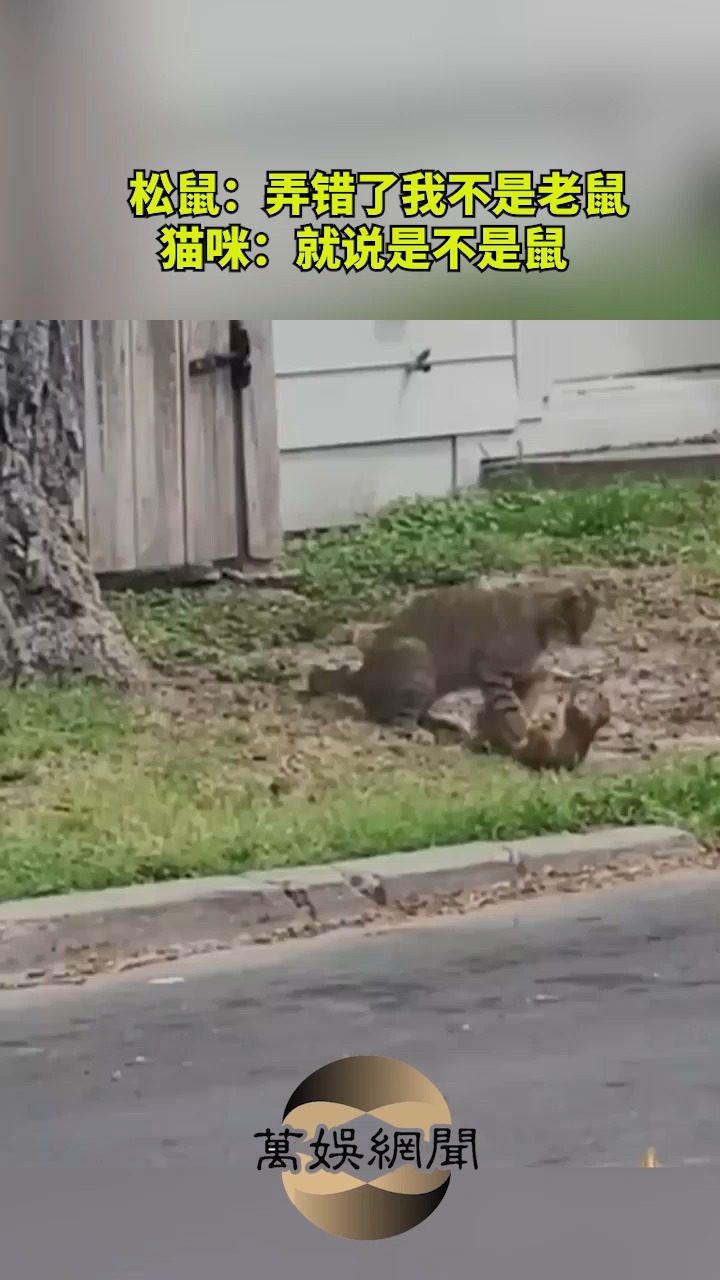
[261,461]
[157,418]
[211,463]
[109,450]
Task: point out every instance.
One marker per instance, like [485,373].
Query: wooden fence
[179,470]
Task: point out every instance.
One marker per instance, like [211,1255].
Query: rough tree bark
[53,620]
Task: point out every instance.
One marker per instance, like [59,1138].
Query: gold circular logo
[396,1095]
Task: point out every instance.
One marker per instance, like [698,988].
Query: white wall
[561,408]
[356,430]
[549,350]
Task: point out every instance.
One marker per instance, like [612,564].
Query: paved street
[570,1031]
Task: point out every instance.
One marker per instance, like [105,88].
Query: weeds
[427,543]
[96,791]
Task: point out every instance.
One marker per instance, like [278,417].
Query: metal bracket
[421,363]
[237,360]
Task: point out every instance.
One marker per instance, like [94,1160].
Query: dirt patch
[654,647]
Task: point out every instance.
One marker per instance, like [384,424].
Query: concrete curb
[88,932]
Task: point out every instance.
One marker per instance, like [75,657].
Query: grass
[429,541]
[97,791]
[425,543]
[149,806]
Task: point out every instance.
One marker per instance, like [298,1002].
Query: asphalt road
[571,1031]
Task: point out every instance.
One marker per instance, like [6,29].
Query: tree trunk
[53,620]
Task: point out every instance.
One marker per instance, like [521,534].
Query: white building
[358,426]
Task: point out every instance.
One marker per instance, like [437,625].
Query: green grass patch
[433,541]
[217,629]
[157,802]
[42,723]
[97,791]
[425,543]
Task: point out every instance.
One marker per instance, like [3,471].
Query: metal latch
[237,360]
